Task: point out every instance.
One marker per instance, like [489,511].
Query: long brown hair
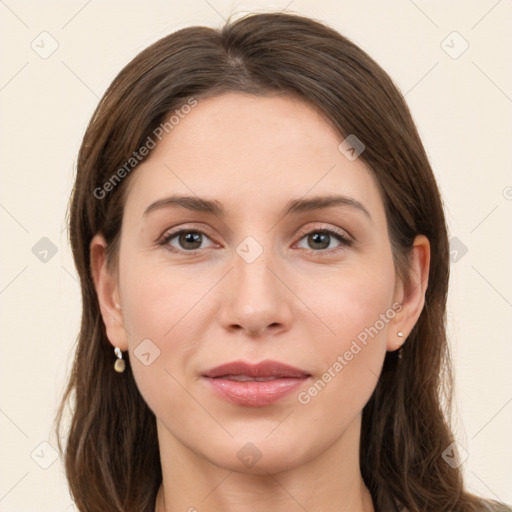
[111,456]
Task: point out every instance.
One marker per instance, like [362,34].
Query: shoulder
[487,506]
[498,507]
[493,506]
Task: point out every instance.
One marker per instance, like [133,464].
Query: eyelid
[343,236]
[329,228]
[171,233]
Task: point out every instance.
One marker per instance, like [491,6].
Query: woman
[264,266]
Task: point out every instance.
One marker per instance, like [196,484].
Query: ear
[412,296]
[107,290]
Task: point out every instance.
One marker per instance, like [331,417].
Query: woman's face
[254,277]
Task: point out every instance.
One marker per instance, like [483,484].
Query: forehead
[250,152]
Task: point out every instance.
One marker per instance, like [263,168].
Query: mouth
[254,385]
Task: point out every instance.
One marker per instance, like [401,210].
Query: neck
[330,482]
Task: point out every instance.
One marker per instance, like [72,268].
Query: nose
[256,297]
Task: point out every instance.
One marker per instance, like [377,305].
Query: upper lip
[265,368]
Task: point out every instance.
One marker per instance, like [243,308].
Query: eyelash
[345,241]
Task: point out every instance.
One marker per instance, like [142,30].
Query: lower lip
[255,393]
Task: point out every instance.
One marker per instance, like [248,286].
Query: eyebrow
[294,206]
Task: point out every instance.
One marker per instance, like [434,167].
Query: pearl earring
[119,365]
[400,334]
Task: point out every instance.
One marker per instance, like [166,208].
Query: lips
[254,385]
[263,370]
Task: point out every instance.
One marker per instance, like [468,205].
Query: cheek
[147,310]
[160,308]
[355,310]
[159,302]
[352,300]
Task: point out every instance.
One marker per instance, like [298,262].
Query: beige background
[462,106]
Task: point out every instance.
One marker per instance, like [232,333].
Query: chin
[261,456]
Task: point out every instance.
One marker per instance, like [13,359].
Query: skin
[299,302]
